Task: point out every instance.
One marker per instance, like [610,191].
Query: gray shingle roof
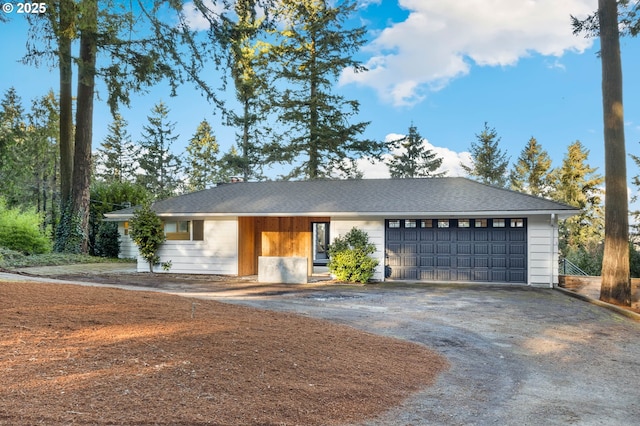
[346,197]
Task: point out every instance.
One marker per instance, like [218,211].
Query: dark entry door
[493,250]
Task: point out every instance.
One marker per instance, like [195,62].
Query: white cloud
[441,40]
[194,18]
[450,161]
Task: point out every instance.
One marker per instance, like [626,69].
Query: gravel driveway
[518,355]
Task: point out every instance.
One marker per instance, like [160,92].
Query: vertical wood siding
[274,236]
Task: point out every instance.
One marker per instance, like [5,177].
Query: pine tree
[13,129]
[531,173]
[489,162]
[116,158]
[313,47]
[42,157]
[577,184]
[202,159]
[160,167]
[248,64]
[414,159]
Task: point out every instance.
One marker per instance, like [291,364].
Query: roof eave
[561,213]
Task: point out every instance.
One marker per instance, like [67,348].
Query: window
[443,223]
[198,230]
[498,223]
[517,223]
[394,223]
[410,223]
[480,223]
[426,223]
[177,230]
[126,228]
[463,223]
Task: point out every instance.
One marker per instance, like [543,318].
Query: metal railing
[569,268]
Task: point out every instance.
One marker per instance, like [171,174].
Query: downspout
[552,247]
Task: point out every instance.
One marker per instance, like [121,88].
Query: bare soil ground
[87,355]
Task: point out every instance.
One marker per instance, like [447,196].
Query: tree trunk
[616,284]
[66,99]
[84,119]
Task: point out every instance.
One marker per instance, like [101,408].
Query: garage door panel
[498,262]
[464,248]
[443,248]
[427,248]
[465,275]
[443,262]
[426,261]
[499,249]
[517,236]
[481,248]
[410,235]
[480,262]
[462,254]
[517,276]
[427,275]
[499,275]
[516,263]
[409,249]
[517,249]
[410,261]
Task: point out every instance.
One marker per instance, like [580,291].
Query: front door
[320,243]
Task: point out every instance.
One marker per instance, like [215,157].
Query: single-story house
[450,229]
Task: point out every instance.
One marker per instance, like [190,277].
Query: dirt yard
[87,355]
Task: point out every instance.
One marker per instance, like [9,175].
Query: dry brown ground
[87,355]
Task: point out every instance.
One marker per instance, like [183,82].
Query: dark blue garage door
[481,250]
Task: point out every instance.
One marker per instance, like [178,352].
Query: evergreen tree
[248,65]
[13,130]
[202,159]
[576,183]
[159,166]
[489,162]
[312,48]
[231,165]
[42,157]
[414,159]
[531,173]
[116,157]
[128,64]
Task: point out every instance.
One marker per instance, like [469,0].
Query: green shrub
[20,231]
[107,240]
[147,232]
[350,258]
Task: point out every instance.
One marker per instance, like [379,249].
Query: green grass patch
[11,259]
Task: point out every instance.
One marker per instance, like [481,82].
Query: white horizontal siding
[128,249]
[217,254]
[543,251]
[375,230]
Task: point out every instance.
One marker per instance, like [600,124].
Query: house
[431,229]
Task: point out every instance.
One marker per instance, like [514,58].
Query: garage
[467,250]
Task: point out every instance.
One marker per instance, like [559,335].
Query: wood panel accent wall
[274,236]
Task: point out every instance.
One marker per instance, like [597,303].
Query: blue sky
[445,66]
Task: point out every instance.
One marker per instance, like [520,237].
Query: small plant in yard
[21,231]
[147,232]
[350,257]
